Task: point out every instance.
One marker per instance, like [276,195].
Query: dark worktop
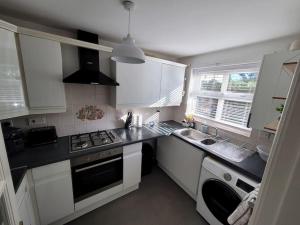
[51,153]
[252,167]
[17,175]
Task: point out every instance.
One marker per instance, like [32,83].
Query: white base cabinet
[181,161]
[54,192]
[25,204]
[132,165]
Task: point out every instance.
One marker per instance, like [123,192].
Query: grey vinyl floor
[158,201]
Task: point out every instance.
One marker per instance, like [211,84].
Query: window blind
[206,107]
[236,112]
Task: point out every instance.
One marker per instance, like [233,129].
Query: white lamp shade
[128,52]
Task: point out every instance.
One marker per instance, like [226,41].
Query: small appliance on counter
[14,138]
[137,120]
[41,136]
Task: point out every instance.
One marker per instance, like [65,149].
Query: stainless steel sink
[208,141]
[215,144]
[192,134]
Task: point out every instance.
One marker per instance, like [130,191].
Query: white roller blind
[206,107]
[236,112]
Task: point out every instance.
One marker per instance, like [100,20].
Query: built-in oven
[94,173]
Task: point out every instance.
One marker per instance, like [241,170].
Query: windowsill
[234,129]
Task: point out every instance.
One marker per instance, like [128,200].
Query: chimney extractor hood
[89,72]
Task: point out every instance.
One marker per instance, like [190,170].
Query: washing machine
[220,191]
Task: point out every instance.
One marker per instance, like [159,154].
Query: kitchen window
[224,94]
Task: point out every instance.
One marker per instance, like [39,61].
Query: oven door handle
[97,165]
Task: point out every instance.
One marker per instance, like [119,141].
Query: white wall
[242,54]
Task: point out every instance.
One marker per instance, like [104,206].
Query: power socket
[37,121]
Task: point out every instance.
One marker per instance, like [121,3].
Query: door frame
[278,194]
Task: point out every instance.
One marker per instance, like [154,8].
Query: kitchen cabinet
[132,165]
[25,203]
[12,101]
[42,65]
[272,87]
[139,84]
[155,83]
[53,189]
[171,87]
[181,161]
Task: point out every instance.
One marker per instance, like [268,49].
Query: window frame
[224,95]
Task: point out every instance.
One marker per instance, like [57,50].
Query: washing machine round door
[220,199]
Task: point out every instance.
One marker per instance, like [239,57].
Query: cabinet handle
[249,118]
[97,165]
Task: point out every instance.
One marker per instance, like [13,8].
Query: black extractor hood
[89,72]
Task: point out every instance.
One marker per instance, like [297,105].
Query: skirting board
[193,196]
[92,207]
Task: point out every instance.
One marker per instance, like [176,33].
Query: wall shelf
[272,126]
[290,67]
[279,98]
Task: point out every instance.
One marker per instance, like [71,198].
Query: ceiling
[173,27]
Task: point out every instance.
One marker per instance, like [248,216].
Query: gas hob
[81,142]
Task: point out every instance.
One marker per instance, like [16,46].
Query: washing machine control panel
[244,186]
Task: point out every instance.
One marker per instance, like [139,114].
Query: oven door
[94,177]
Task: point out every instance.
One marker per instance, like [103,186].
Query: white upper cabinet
[273,82]
[12,101]
[155,83]
[171,87]
[139,84]
[42,63]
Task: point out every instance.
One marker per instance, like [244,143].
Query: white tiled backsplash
[79,95]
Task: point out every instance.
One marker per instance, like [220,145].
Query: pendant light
[127,51]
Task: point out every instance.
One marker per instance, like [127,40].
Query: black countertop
[17,175]
[252,167]
[51,153]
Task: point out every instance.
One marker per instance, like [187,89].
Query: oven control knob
[227,176]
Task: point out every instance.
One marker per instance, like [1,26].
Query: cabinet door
[42,64]
[23,212]
[272,81]
[54,193]
[139,84]
[12,101]
[30,209]
[132,165]
[182,161]
[171,87]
